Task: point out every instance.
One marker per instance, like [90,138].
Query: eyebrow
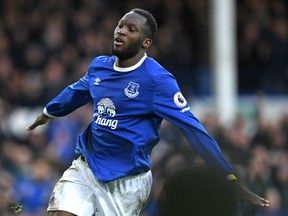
[128,23]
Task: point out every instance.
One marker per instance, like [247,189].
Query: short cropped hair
[151,22]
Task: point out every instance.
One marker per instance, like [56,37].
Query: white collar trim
[127,69]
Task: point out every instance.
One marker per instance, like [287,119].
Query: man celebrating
[132,94]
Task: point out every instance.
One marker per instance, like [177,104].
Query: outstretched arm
[71,98]
[172,106]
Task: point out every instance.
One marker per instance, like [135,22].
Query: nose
[121,31]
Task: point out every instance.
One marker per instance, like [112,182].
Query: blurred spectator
[262,43]
[275,204]
[6,195]
[282,181]
[32,189]
[197,191]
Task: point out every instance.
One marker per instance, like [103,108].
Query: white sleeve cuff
[47,114]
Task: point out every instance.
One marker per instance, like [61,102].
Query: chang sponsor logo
[106,122]
[106,107]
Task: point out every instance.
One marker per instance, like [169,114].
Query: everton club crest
[131,90]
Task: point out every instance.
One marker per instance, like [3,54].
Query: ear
[146,43]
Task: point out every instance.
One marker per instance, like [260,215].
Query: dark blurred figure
[198,191]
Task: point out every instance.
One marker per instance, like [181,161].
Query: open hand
[246,195]
[40,120]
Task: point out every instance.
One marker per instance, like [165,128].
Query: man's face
[129,36]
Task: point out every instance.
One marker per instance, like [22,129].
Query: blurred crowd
[262,46]
[46,45]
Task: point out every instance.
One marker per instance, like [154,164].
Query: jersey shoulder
[155,69]
[102,61]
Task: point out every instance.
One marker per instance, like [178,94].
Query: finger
[265,203]
[33,126]
[41,119]
[255,199]
[261,201]
[30,128]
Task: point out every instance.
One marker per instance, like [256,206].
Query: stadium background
[46,45]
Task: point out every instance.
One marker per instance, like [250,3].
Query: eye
[132,29]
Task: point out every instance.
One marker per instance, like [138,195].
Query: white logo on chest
[131,90]
[106,107]
[97,81]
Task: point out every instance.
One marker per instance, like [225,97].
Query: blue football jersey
[129,106]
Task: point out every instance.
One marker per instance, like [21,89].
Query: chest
[121,91]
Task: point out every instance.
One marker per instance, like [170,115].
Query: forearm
[209,150]
[66,102]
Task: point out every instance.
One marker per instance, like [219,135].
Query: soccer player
[132,94]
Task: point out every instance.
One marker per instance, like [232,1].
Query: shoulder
[155,69]
[103,59]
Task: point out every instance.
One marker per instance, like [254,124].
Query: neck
[129,62]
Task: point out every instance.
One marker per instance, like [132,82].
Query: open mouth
[118,41]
